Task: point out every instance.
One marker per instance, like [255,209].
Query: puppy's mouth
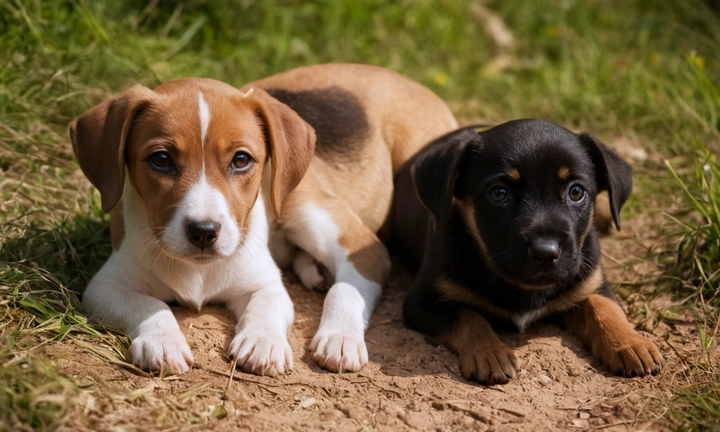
[202,258]
[537,284]
[539,281]
[197,257]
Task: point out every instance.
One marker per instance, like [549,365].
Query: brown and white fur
[212,189]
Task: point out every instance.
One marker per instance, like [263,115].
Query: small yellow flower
[695,60]
[441,78]
[552,31]
[655,59]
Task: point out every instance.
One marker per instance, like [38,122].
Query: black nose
[544,251]
[202,233]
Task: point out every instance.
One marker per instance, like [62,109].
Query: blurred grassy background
[643,69]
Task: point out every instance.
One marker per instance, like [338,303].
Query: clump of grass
[698,255]
[697,406]
[33,394]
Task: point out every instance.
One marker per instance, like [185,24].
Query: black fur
[338,117]
[461,168]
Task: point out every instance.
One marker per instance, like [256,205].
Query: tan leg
[483,356]
[602,324]
[359,264]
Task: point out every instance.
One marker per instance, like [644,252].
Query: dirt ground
[409,383]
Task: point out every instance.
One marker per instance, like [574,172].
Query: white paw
[261,352]
[339,352]
[308,270]
[161,350]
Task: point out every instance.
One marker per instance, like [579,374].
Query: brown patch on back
[403,116]
[564,173]
[338,117]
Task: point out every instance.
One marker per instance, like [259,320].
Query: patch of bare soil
[409,384]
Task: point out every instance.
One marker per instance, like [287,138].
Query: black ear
[613,173]
[436,169]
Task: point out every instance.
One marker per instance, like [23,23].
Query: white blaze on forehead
[204,113]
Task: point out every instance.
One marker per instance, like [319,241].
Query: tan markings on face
[455,292]
[467,210]
[514,174]
[602,214]
[580,293]
[234,128]
[172,124]
[564,173]
[589,227]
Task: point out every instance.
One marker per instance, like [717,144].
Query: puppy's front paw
[630,355]
[488,364]
[261,352]
[161,350]
[310,272]
[339,352]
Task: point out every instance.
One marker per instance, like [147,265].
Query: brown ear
[292,145]
[98,138]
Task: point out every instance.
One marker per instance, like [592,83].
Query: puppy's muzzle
[202,234]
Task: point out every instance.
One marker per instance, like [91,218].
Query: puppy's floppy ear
[99,136]
[613,173]
[435,171]
[291,141]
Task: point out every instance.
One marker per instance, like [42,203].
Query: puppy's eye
[241,161]
[161,161]
[499,194]
[576,193]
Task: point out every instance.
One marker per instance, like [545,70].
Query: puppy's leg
[603,326]
[308,270]
[157,342]
[264,315]
[483,356]
[359,262]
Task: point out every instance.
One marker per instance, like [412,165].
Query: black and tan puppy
[499,225]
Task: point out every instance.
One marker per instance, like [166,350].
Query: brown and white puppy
[206,184]
[506,217]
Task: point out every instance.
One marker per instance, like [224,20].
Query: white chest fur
[160,275]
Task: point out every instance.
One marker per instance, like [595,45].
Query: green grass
[697,262]
[645,69]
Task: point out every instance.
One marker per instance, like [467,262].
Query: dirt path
[409,384]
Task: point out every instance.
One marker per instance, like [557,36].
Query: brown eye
[241,161]
[499,194]
[576,193]
[161,161]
